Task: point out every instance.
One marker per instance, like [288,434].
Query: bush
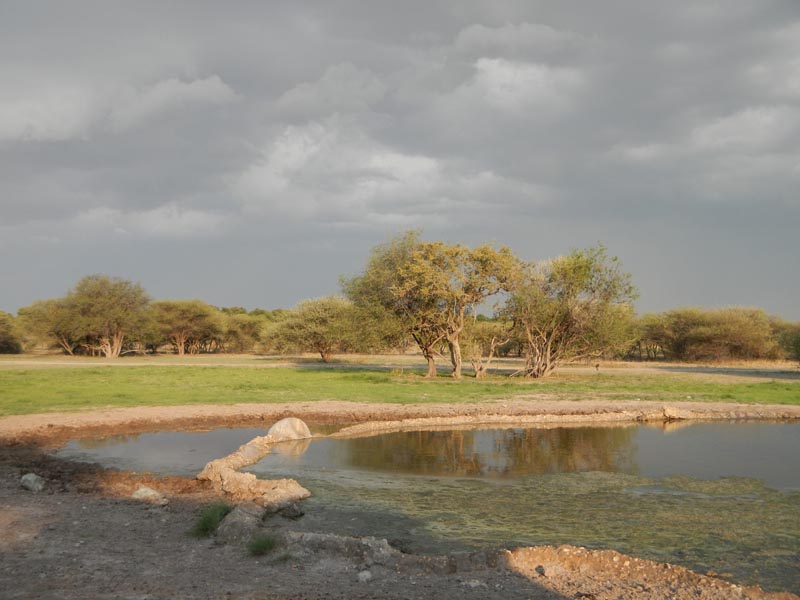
[209,519]
[9,340]
[262,544]
[696,334]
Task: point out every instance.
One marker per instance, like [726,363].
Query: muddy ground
[84,537]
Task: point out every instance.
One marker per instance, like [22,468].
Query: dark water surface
[710,496]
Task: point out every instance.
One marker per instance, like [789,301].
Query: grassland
[45,385]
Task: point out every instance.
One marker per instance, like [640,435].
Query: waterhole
[721,497]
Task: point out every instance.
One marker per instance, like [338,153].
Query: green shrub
[262,544]
[209,519]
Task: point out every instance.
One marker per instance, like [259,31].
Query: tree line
[415,293]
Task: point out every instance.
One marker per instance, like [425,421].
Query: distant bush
[694,334]
[788,336]
[9,339]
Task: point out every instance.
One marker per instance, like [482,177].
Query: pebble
[32,482]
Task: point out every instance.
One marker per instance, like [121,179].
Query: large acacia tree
[430,288]
[373,291]
[456,279]
[571,307]
[107,310]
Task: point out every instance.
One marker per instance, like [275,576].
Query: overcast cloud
[250,153]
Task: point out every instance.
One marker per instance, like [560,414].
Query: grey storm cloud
[251,153]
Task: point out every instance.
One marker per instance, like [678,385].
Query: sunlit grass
[65,387]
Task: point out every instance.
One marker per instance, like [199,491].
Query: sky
[251,153]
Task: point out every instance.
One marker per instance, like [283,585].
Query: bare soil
[84,537]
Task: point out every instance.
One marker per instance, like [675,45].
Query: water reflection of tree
[111,440]
[568,450]
[422,452]
[502,453]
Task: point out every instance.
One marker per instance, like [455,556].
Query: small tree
[788,338]
[52,322]
[107,310]
[243,332]
[484,339]
[651,337]
[323,325]
[189,325]
[9,338]
[569,308]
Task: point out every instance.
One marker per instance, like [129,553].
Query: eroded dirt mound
[606,574]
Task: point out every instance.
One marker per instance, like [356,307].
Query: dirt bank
[50,428]
[84,537]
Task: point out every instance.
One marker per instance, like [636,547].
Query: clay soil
[84,537]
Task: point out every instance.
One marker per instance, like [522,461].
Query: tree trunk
[65,345]
[538,362]
[180,343]
[431,363]
[455,357]
[114,344]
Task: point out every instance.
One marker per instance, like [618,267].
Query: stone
[245,487]
[272,494]
[364,576]
[32,482]
[240,524]
[290,428]
[148,494]
[293,512]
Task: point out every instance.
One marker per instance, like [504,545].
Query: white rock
[290,428]
[364,576]
[149,495]
[32,482]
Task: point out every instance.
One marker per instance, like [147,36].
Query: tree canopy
[188,325]
[571,307]
[9,338]
[322,325]
[429,288]
[107,309]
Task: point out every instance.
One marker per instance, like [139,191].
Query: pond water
[722,497]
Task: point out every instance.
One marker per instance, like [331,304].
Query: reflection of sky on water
[168,452]
[710,450]
[702,451]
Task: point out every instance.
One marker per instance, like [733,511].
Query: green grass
[26,389]
[209,519]
[262,544]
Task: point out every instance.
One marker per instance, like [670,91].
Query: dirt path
[84,537]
